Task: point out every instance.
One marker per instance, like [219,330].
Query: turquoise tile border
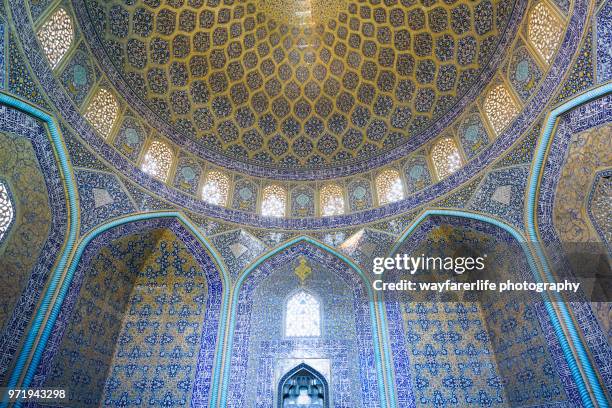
[374,303]
[86,240]
[583,363]
[533,251]
[39,322]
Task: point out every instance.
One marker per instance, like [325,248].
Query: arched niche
[32,244]
[442,345]
[260,353]
[143,307]
[303,386]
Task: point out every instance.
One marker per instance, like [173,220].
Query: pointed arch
[544,30]
[445,157]
[56,36]
[102,112]
[293,248]
[297,370]
[57,248]
[389,186]
[538,266]
[332,200]
[302,314]
[158,160]
[216,309]
[499,107]
[274,201]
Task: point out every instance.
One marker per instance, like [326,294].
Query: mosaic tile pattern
[37,7]
[245,196]
[79,74]
[258,341]
[360,195]
[472,134]
[603,29]
[161,331]
[246,83]
[588,151]
[603,311]
[79,155]
[460,198]
[523,72]
[130,138]
[238,249]
[475,351]
[177,256]
[417,173]
[145,201]
[3,37]
[16,122]
[187,175]
[599,206]
[101,197]
[302,201]
[581,76]
[577,20]
[22,245]
[87,349]
[272,238]
[523,152]
[579,120]
[502,193]
[19,79]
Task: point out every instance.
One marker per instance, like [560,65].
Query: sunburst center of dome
[302,13]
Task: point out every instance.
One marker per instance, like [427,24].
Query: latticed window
[332,200]
[274,201]
[216,187]
[56,36]
[102,111]
[7,212]
[446,157]
[500,108]
[544,30]
[389,186]
[158,160]
[303,316]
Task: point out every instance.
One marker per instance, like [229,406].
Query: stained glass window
[544,30]
[332,200]
[500,108]
[216,187]
[389,186]
[158,160]
[7,212]
[303,316]
[102,111]
[56,36]
[274,201]
[446,157]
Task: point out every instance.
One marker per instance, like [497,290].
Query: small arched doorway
[303,387]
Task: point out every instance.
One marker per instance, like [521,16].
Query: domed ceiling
[297,84]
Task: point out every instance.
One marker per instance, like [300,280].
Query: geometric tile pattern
[478,351]
[246,80]
[101,197]
[259,348]
[603,24]
[28,231]
[502,194]
[238,248]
